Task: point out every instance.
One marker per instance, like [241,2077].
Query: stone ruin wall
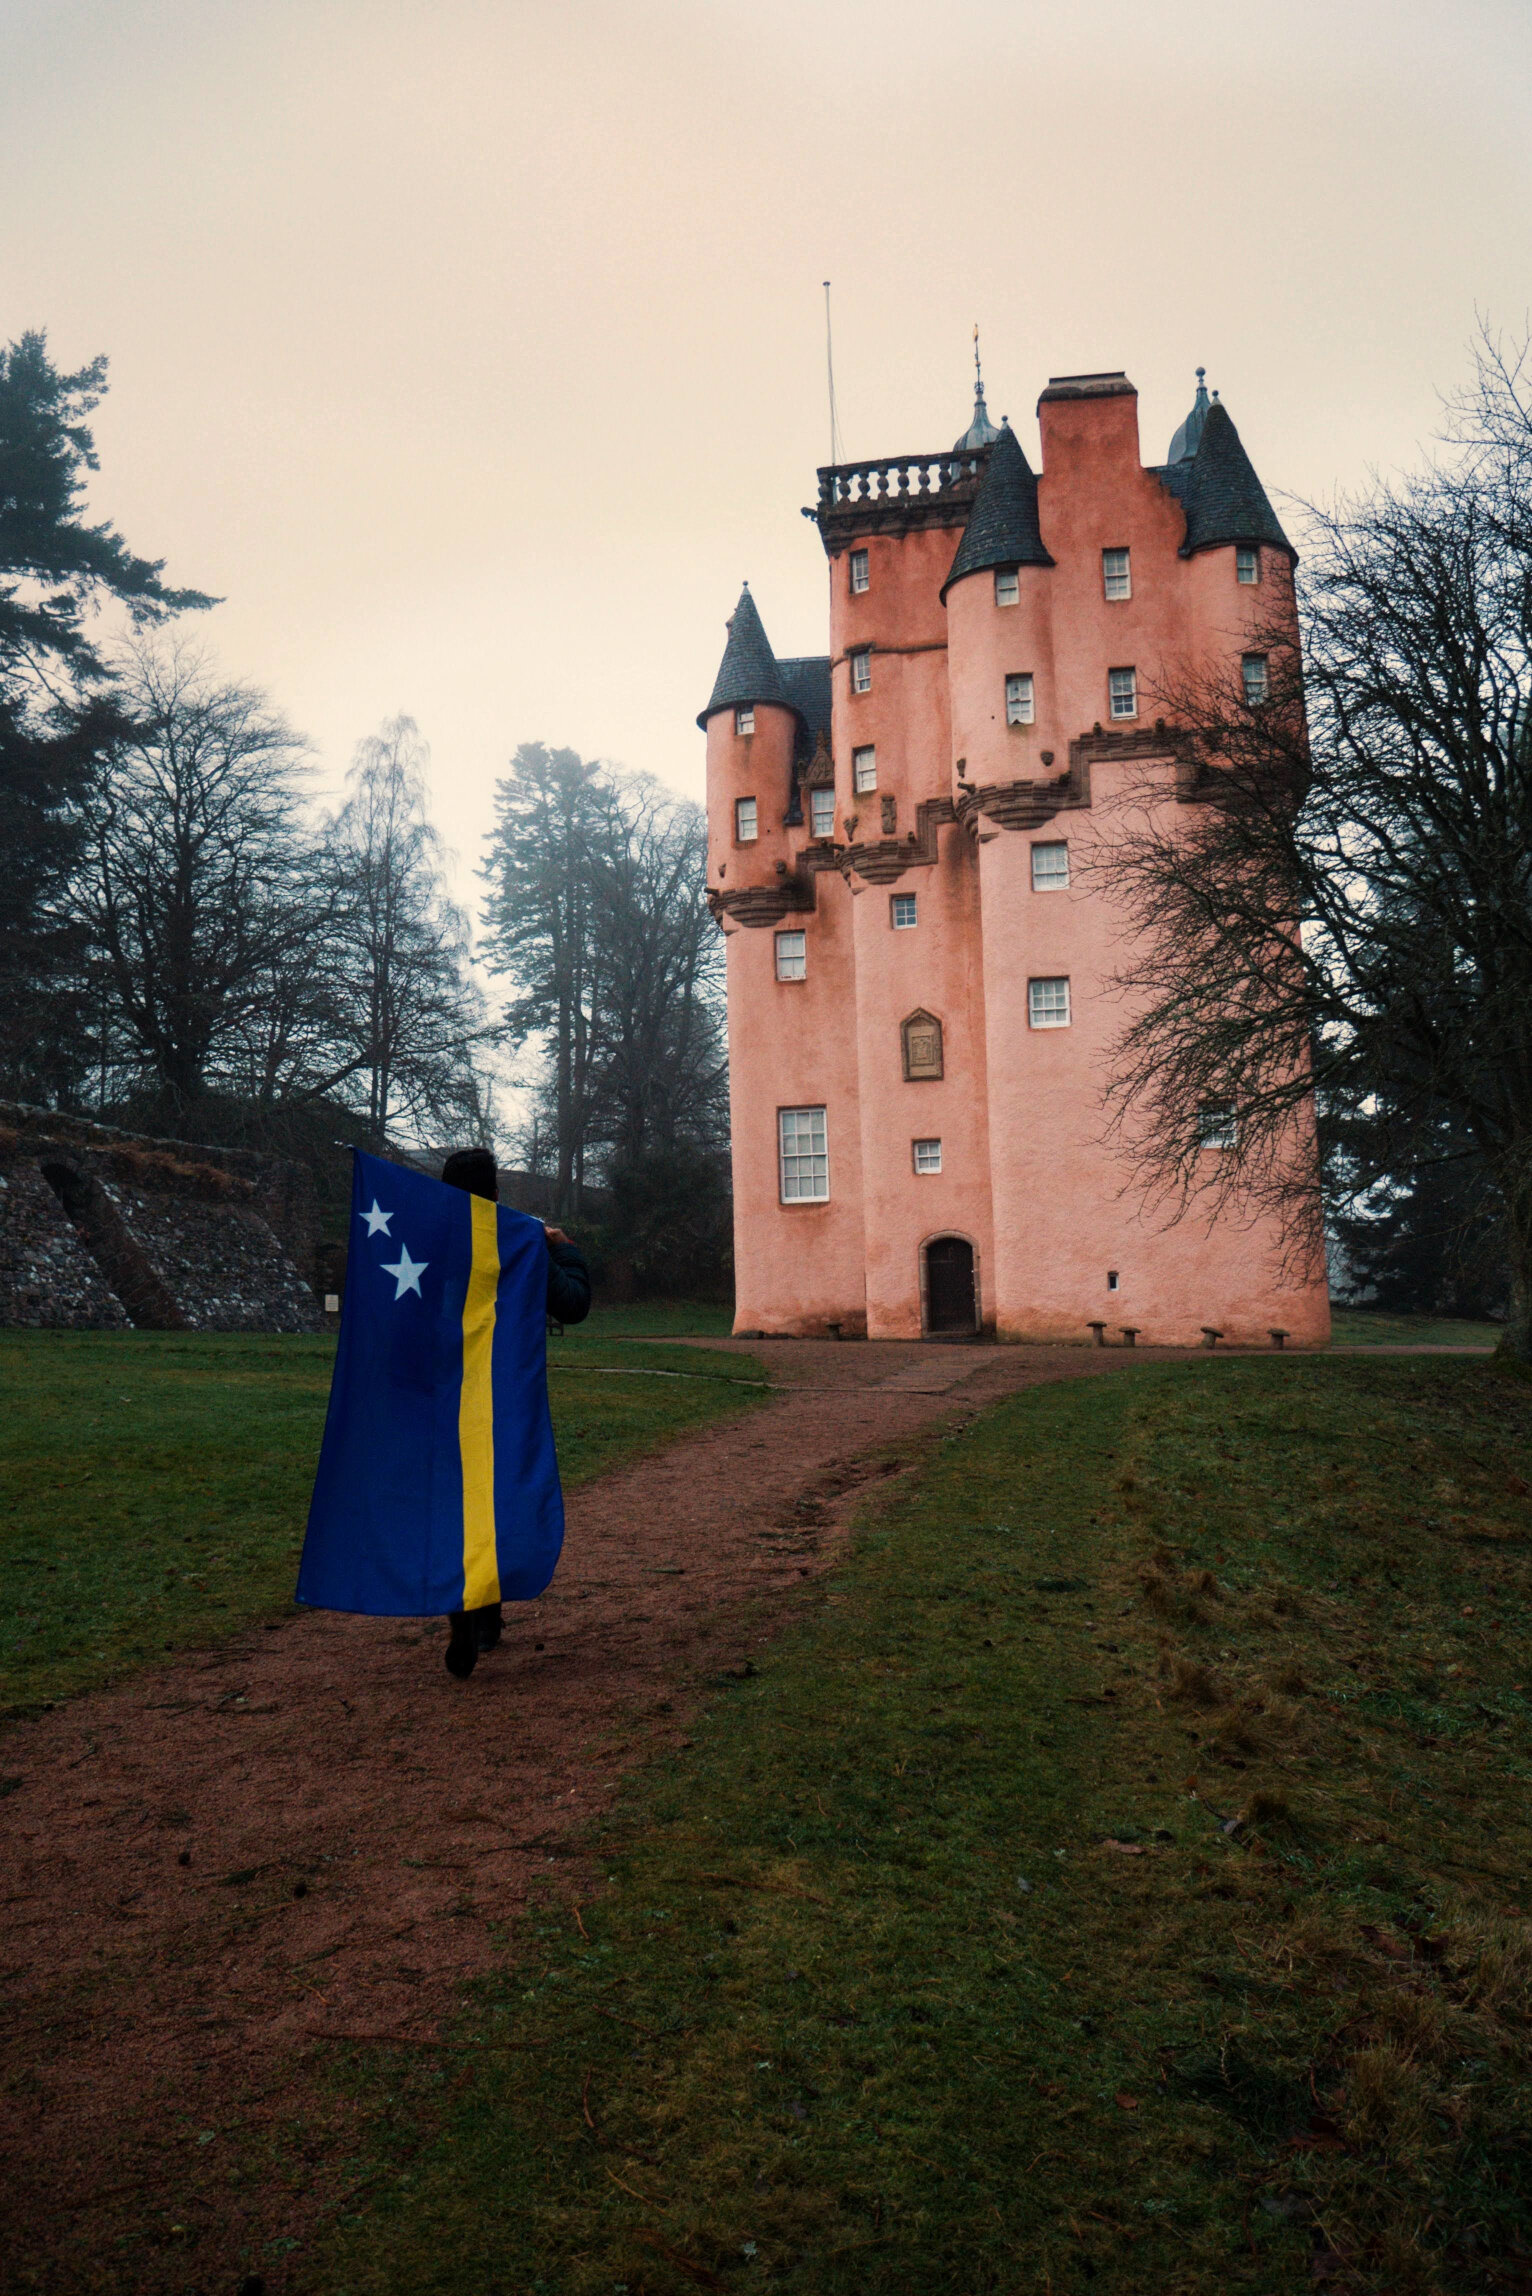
[103,1230]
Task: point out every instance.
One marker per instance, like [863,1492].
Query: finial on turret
[1187,438]
[981,431]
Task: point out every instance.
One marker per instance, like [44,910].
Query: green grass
[154,1487]
[1361,1327]
[1115,1882]
[655,1319]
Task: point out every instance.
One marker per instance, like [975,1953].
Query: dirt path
[314,1831]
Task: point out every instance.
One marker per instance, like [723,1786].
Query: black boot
[462,1645]
[488,1625]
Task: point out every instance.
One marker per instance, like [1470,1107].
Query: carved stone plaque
[890,816]
[922,1037]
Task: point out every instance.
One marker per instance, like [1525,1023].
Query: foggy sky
[474,353]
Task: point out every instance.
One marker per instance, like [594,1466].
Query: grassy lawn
[656,1319]
[1361,1327]
[153,1487]
[1116,1881]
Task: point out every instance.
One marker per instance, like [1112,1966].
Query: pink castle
[918,978]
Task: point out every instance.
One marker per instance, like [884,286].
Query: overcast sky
[474,352]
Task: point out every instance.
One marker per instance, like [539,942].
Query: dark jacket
[568,1283]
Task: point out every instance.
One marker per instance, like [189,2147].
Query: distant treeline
[189,945]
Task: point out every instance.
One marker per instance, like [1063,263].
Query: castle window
[1256,680]
[928,1155]
[1007,586]
[864,770]
[1122,692]
[861,671]
[803,1155]
[1048,1004]
[792,956]
[746,825]
[1217,1128]
[1050,867]
[821,813]
[1111,1279]
[1020,704]
[744,718]
[1116,575]
[859,576]
[901,911]
[1247,565]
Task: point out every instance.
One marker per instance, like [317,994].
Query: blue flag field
[438,1487]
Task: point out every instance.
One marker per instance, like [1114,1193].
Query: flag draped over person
[438,1487]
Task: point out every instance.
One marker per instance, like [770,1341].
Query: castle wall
[933,967]
[103,1230]
[1053,1208]
[799,1266]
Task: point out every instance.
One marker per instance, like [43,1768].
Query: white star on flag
[406,1273]
[376,1219]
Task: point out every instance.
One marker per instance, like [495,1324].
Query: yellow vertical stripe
[476,1410]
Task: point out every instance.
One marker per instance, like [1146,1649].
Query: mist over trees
[189,945]
[1346,899]
[594,916]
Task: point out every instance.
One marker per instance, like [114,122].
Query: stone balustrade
[899,477]
[895,494]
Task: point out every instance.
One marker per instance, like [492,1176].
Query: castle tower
[919,964]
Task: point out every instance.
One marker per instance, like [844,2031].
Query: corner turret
[1002,527]
[748,673]
[1215,483]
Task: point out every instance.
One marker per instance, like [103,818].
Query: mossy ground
[1116,1881]
[1366,1327]
[154,1486]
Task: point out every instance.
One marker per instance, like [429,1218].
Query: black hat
[473,1169]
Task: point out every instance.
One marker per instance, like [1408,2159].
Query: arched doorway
[951,1305]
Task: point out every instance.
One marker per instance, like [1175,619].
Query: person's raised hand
[554,1235]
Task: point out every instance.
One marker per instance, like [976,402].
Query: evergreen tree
[57,714]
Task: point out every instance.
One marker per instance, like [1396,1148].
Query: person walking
[568,1301]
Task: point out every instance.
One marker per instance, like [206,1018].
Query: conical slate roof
[748,671]
[1185,441]
[1002,527]
[1217,487]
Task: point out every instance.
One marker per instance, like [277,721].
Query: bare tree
[1342,903]
[661,1069]
[410,1016]
[196,884]
[595,914]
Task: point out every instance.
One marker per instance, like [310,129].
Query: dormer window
[744,718]
[1116,575]
[746,823]
[1247,565]
[864,770]
[1020,706]
[821,813]
[1007,586]
[860,580]
[861,671]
